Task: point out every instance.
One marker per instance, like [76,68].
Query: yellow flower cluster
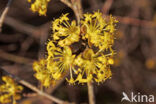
[90,64]
[39,6]
[9,91]
[62,28]
[97,31]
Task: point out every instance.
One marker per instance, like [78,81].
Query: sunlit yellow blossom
[111,61]
[71,81]
[9,91]
[61,63]
[39,6]
[90,61]
[42,74]
[99,32]
[93,65]
[111,25]
[62,28]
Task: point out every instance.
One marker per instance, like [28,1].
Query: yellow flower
[99,32]
[111,61]
[61,63]
[62,28]
[52,49]
[88,17]
[64,57]
[71,81]
[111,24]
[56,75]
[93,65]
[9,90]
[103,74]
[39,6]
[42,74]
[92,59]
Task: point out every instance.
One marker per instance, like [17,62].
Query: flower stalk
[91,93]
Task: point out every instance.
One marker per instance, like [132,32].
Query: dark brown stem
[75,5]
[91,93]
[14,58]
[4,14]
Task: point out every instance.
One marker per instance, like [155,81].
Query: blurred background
[24,36]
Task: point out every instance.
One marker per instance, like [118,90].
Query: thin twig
[67,3]
[32,87]
[10,47]
[14,58]
[30,94]
[107,5]
[134,21]
[25,45]
[94,4]
[58,83]
[4,14]
[22,27]
[75,5]
[41,93]
[80,8]
[6,38]
[28,29]
[91,93]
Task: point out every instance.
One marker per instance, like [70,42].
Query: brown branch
[14,58]
[28,29]
[134,21]
[58,83]
[25,45]
[32,87]
[22,27]
[91,93]
[67,3]
[79,6]
[10,47]
[107,5]
[6,38]
[4,14]
[75,5]
[30,94]
[94,4]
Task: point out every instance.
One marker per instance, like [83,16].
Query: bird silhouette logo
[125,97]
